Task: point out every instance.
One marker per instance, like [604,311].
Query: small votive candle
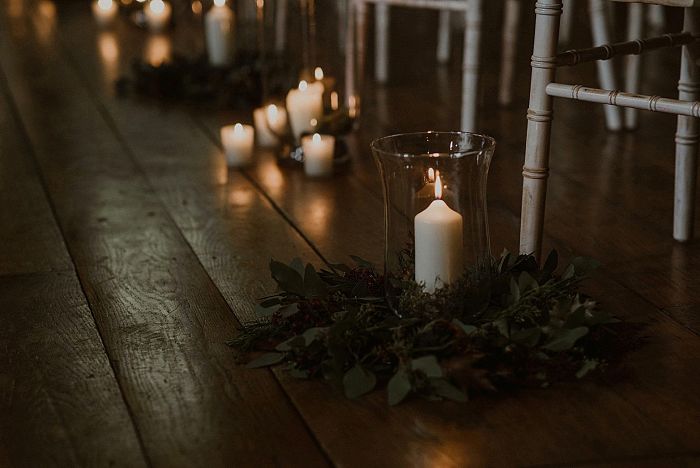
[318,154]
[270,124]
[304,104]
[157,14]
[238,144]
[104,11]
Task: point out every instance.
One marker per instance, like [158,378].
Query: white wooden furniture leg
[342,9]
[509,49]
[350,54]
[633,63]
[470,65]
[567,21]
[656,17]
[539,122]
[280,25]
[443,45]
[381,41]
[687,136]
[606,71]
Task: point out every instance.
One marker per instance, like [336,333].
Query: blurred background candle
[304,104]
[318,154]
[438,243]
[218,31]
[270,123]
[104,11]
[237,141]
[158,14]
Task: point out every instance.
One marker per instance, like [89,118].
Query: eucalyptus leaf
[287,278]
[528,337]
[358,381]
[514,290]
[399,387]
[526,282]
[565,339]
[588,365]
[444,389]
[298,265]
[313,284]
[428,365]
[584,266]
[266,312]
[269,359]
[289,310]
[293,342]
[468,329]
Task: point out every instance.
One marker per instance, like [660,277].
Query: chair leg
[443,46]
[567,21]
[381,41]
[350,54]
[633,63]
[470,65]
[656,17]
[606,71]
[509,48]
[687,137]
[539,123]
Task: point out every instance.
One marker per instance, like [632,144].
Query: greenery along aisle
[515,324]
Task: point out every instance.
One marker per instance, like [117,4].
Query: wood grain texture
[164,323]
[59,400]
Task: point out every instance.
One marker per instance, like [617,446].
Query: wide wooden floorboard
[60,403]
[164,323]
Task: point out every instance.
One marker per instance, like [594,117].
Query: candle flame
[238,129]
[157,6]
[313,122]
[318,73]
[316,139]
[334,101]
[104,4]
[303,85]
[272,112]
[196,7]
[438,187]
[219,3]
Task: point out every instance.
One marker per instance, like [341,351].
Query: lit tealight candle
[438,243]
[304,104]
[238,144]
[318,154]
[104,11]
[270,123]
[158,14]
[218,29]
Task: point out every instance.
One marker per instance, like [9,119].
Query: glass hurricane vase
[435,215]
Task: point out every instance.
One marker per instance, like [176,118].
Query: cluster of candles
[157,13]
[301,114]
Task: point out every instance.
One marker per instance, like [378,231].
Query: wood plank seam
[14,111]
[106,115]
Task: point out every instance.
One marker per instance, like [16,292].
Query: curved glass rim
[490,144]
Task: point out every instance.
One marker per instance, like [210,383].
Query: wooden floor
[129,255]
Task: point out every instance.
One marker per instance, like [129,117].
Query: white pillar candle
[157,14]
[438,243]
[318,154]
[238,144]
[218,31]
[104,11]
[304,104]
[270,124]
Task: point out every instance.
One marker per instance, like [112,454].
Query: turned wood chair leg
[606,71]
[509,49]
[539,122]
[687,136]
[656,17]
[633,63]
[381,41]
[342,9]
[443,45]
[567,21]
[470,65]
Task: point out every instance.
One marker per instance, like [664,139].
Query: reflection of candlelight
[45,20]
[158,50]
[272,178]
[319,214]
[109,53]
[241,197]
[15,8]
[353,104]
[334,101]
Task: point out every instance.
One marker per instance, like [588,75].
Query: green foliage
[512,323]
